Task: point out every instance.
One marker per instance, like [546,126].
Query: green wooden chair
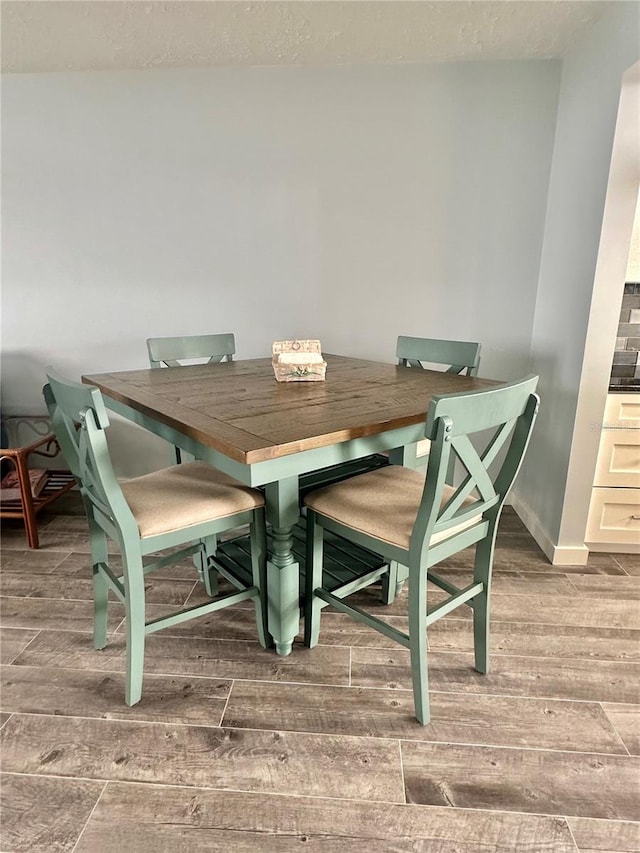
[184,505]
[458,356]
[172,352]
[418,522]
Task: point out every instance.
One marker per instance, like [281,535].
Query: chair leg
[401,575]
[482,573]
[418,643]
[390,583]
[388,590]
[206,572]
[99,554]
[313,580]
[135,618]
[26,498]
[258,538]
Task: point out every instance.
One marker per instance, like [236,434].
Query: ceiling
[62,35]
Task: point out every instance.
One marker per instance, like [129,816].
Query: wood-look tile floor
[235,749]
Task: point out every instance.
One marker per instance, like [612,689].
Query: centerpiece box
[298,361]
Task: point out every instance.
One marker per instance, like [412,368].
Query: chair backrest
[79,419]
[169,352]
[505,415]
[458,355]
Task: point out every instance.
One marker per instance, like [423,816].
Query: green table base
[343,561]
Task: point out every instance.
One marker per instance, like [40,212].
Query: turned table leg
[283,572]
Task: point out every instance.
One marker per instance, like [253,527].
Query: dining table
[275,435]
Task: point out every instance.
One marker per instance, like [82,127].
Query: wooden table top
[240,410]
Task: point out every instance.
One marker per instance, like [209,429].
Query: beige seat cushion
[183,495]
[382,503]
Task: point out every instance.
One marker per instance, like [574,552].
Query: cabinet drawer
[622,410]
[619,458]
[614,516]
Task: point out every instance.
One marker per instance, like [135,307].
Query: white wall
[350,204]
[580,289]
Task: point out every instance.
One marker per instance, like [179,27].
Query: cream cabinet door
[619,459]
[614,516]
[622,410]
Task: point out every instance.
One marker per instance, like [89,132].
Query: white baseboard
[613,548]
[574,556]
[557,556]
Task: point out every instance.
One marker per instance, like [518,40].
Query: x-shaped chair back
[459,356]
[171,352]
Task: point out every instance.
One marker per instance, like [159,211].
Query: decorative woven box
[298,361]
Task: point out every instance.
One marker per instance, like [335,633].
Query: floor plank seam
[476,745]
[25,648]
[95,806]
[195,586]
[226,704]
[615,729]
[404,777]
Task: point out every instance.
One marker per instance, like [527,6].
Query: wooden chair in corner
[185,507]
[418,521]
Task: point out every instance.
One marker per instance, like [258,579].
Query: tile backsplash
[625,370]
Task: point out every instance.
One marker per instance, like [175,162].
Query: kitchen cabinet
[614,514]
